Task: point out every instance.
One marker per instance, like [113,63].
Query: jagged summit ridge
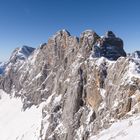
[109,46]
[136,54]
[18,56]
[110,34]
[21,53]
[81,92]
[61,33]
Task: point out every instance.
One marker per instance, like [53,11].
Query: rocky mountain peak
[26,50]
[136,54]
[88,33]
[110,34]
[89,37]
[64,31]
[109,46]
[21,53]
[18,56]
[61,33]
[79,89]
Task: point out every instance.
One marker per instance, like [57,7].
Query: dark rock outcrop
[2,67]
[109,46]
[136,54]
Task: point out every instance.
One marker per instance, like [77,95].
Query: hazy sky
[31,22]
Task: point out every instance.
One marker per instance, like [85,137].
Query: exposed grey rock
[82,94]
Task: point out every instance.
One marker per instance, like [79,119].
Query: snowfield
[16,124]
[127,129]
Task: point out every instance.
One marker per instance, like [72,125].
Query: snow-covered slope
[18,56]
[22,53]
[127,129]
[16,124]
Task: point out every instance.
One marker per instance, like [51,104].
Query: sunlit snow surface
[16,124]
[128,129]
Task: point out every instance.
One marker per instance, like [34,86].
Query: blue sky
[31,22]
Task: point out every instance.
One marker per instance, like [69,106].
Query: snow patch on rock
[127,129]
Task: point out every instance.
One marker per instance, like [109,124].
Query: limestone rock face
[109,46]
[82,94]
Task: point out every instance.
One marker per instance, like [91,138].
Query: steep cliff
[85,84]
[109,46]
